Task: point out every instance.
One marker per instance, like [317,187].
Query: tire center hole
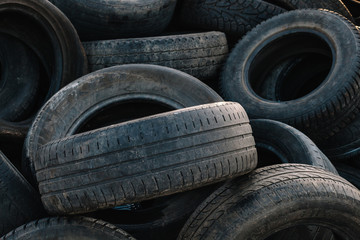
[290,67]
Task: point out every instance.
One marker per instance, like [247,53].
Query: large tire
[288,144]
[274,199]
[19,76]
[319,111]
[131,91]
[20,203]
[240,16]
[102,19]
[199,54]
[47,31]
[145,158]
[67,228]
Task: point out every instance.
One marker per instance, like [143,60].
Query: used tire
[20,203]
[238,17]
[19,75]
[145,158]
[47,31]
[199,54]
[102,19]
[288,144]
[274,199]
[318,110]
[130,91]
[67,228]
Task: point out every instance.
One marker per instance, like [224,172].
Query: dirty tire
[238,17]
[102,19]
[288,144]
[78,103]
[199,54]
[20,203]
[67,228]
[50,34]
[19,76]
[278,197]
[145,158]
[307,32]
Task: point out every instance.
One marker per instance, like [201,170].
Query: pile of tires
[187,119]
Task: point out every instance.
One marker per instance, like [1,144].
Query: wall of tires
[180,119]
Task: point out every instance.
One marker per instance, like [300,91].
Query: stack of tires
[187,119]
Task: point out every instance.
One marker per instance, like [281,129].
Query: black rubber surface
[145,158]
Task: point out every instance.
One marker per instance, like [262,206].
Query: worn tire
[19,74]
[319,111]
[145,158]
[20,203]
[102,19]
[288,144]
[199,54]
[67,228]
[152,88]
[277,198]
[240,16]
[47,31]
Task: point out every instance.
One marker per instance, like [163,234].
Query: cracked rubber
[274,198]
[67,228]
[199,54]
[145,158]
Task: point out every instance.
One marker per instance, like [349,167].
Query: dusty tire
[147,86]
[19,74]
[20,203]
[199,54]
[47,31]
[288,144]
[67,228]
[103,19]
[238,17]
[317,111]
[277,198]
[145,158]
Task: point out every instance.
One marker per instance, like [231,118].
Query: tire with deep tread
[77,103]
[102,19]
[288,144]
[67,228]
[275,198]
[19,76]
[238,17]
[145,158]
[198,54]
[319,111]
[20,202]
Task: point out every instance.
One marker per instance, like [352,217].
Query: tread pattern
[141,159]
[266,188]
[239,16]
[234,17]
[200,55]
[69,228]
